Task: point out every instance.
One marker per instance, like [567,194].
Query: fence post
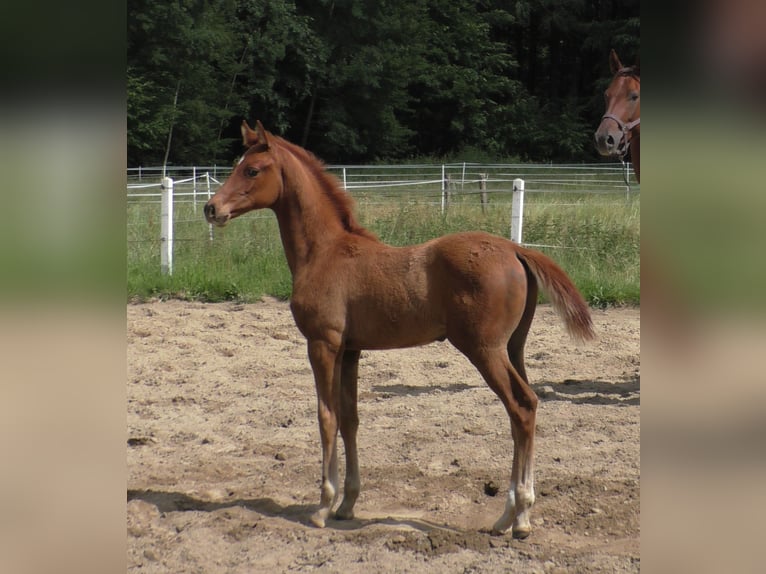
[210,225]
[194,189]
[483,189]
[444,190]
[166,231]
[517,210]
[344,179]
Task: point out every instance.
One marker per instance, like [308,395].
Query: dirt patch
[224,461]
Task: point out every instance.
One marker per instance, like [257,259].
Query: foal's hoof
[318,520]
[344,514]
[521,533]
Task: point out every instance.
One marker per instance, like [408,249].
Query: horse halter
[624,128]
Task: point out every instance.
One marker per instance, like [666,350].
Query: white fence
[202,186]
[432,184]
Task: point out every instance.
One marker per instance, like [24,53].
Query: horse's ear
[614,62]
[263,135]
[249,136]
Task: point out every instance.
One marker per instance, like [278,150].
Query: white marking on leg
[525,499]
[506,520]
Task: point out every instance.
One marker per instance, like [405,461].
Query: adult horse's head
[255,183]
[623,109]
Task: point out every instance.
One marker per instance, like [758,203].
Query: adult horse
[352,292]
[620,127]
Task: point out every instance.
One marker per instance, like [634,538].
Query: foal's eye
[251,172]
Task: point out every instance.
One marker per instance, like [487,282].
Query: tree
[184,51]
[359,97]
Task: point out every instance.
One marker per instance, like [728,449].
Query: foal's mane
[341,201]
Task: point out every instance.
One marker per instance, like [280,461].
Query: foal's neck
[307,219]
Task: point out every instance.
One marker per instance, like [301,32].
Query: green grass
[595,238]
[243,262]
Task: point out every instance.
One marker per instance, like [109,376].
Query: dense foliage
[363,80]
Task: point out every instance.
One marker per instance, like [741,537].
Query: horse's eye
[251,172]
[633,97]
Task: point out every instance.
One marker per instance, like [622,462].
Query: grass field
[594,237]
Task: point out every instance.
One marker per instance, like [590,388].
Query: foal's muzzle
[214,217]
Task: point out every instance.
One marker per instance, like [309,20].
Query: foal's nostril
[609,140]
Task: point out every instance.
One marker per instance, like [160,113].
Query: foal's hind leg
[521,494]
[519,337]
[520,402]
[522,474]
[349,423]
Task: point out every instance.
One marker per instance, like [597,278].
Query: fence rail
[430,184]
[361,176]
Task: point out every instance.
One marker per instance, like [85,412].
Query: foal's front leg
[325,362]
[349,423]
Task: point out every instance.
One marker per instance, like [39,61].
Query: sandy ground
[224,463]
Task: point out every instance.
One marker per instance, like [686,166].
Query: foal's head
[255,183]
[623,108]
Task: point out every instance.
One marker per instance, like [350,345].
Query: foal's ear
[263,135]
[614,62]
[249,136]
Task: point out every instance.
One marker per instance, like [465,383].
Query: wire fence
[444,187]
[421,182]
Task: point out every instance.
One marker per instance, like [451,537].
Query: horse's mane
[328,183]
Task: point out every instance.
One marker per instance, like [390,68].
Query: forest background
[360,81]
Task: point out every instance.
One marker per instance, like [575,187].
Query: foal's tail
[565,297]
